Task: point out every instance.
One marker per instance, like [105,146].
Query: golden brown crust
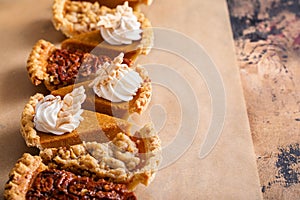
[28,131]
[59,20]
[152,151]
[20,177]
[37,61]
[141,102]
[83,158]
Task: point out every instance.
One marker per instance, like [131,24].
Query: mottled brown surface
[267,39]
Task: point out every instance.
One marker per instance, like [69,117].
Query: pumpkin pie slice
[114,30]
[31,178]
[55,67]
[121,109]
[92,36]
[92,127]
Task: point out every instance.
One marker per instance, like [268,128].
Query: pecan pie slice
[94,127]
[56,67]
[32,179]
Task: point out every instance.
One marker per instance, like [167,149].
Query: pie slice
[75,17]
[32,179]
[55,67]
[122,109]
[94,127]
[125,159]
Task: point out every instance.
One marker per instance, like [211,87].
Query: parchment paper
[227,172]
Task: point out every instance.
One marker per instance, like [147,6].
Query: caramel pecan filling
[60,184]
[64,66]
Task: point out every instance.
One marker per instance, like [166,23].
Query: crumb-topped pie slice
[118,90]
[50,121]
[55,67]
[32,179]
[125,159]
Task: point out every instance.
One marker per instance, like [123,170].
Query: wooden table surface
[267,41]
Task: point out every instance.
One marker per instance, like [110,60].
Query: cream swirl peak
[58,116]
[122,27]
[116,81]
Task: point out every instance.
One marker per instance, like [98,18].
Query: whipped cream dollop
[116,82]
[58,116]
[122,27]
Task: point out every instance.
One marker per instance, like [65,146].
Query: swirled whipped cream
[116,82]
[122,27]
[58,116]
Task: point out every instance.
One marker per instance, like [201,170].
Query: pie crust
[94,127]
[37,62]
[138,104]
[21,176]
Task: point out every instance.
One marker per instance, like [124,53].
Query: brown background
[267,37]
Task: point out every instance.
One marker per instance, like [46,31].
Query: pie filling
[64,66]
[60,184]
